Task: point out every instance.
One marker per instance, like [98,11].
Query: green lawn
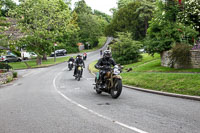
[149,74]
[32,63]
[181,83]
[145,59]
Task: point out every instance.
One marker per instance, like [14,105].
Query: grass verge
[181,83]
[32,63]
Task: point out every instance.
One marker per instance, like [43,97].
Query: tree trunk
[146,26]
[39,60]
[44,57]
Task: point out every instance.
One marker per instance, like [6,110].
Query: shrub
[5,66]
[125,50]
[181,54]
[14,74]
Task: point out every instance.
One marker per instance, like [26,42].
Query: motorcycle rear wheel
[117,89]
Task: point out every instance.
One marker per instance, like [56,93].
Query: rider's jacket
[71,59]
[103,63]
[79,61]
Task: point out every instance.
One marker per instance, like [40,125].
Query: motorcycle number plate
[79,68]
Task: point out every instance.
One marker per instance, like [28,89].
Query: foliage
[103,15]
[5,6]
[131,18]
[181,54]
[14,74]
[5,66]
[190,13]
[43,21]
[91,24]
[82,7]
[164,31]
[126,50]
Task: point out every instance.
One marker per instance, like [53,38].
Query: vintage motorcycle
[79,72]
[113,82]
[70,65]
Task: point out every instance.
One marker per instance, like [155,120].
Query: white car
[28,55]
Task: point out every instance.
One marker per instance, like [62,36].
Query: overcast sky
[101,5]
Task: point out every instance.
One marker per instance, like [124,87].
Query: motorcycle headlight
[116,72]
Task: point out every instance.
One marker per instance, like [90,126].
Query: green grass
[102,41]
[155,66]
[145,59]
[92,68]
[180,83]
[32,63]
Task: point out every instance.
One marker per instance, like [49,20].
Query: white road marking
[93,112]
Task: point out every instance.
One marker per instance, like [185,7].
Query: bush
[5,66]
[72,49]
[15,75]
[125,50]
[181,54]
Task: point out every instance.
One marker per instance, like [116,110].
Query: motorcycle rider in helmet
[78,61]
[71,59]
[104,64]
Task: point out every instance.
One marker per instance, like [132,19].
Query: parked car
[10,58]
[28,55]
[59,52]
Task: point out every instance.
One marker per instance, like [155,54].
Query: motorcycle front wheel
[97,87]
[116,89]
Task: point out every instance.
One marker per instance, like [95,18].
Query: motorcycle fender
[117,76]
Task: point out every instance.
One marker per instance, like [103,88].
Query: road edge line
[196,98]
[93,112]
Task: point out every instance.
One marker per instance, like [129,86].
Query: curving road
[50,100]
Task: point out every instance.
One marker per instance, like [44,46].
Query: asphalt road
[50,100]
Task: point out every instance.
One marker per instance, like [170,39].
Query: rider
[85,55]
[71,59]
[78,61]
[104,64]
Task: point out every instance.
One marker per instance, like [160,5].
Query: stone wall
[5,76]
[195,58]
[167,62]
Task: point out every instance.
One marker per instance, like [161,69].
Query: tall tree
[43,21]
[82,7]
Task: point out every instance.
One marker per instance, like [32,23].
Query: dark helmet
[107,54]
[79,56]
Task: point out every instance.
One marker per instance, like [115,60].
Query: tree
[90,28]
[190,14]
[43,21]
[145,12]
[127,20]
[82,7]
[6,5]
[164,31]
[92,25]
[125,50]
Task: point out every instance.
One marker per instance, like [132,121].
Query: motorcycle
[113,82]
[84,57]
[70,65]
[79,72]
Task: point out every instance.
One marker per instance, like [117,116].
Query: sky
[101,5]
